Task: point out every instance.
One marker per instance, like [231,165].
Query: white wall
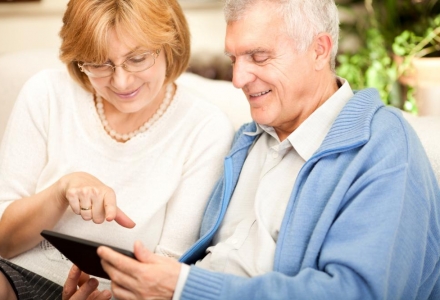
[29,25]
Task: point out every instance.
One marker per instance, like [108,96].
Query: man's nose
[242,74]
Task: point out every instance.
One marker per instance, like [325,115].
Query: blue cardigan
[363,219]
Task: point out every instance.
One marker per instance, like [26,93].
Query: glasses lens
[98,70]
[135,63]
[140,62]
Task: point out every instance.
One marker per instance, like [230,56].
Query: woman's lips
[129,94]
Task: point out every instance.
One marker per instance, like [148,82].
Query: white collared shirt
[246,241]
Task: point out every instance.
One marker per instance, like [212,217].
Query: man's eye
[260,58]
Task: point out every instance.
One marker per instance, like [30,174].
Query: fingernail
[92,282]
[107,293]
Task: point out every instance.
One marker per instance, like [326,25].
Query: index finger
[124,220]
[112,212]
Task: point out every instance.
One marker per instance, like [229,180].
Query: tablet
[81,252]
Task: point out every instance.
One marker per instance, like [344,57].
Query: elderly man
[327,194]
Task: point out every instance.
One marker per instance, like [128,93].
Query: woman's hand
[24,219]
[92,200]
[149,277]
[79,286]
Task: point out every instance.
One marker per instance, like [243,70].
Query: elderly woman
[114,141]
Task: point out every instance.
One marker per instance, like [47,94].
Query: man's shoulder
[367,110]
[366,120]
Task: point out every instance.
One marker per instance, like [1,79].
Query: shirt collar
[308,137]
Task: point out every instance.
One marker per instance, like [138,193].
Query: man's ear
[323,48]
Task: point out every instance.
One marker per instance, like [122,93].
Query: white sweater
[162,178]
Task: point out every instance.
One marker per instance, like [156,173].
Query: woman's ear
[323,48]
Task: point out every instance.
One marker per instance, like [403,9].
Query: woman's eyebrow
[131,52]
[128,54]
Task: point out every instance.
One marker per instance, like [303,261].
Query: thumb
[143,254]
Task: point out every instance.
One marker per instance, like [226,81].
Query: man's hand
[151,277]
[87,287]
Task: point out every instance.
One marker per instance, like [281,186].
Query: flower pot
[424,76]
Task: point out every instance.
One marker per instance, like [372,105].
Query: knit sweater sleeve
[24,145]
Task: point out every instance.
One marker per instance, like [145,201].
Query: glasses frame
[81,65]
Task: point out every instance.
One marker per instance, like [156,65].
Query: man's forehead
[248,35]
[239,43]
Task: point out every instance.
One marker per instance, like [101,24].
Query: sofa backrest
[16,68]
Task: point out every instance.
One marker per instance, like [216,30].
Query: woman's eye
[97,67]
[137,59]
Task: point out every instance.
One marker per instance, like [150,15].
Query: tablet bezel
[81,252]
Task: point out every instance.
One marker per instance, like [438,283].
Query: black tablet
[81,252]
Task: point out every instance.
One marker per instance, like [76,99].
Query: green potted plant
[390,29]
[418,66]
[367,61]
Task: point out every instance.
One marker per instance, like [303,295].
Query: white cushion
[428,130]
[15,69]
[222,93]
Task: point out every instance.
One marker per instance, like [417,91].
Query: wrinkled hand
[151,277]
[87,287]
[92,199]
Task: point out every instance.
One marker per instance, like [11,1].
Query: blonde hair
[154,24]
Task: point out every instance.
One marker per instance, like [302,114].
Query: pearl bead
[144,127]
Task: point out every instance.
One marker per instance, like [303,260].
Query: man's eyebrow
[249,52]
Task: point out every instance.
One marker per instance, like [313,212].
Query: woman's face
[131,92]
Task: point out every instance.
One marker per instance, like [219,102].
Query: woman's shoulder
[193,112]
[50,74]
[50,79]
[193,98]
[51,87]
[196,104]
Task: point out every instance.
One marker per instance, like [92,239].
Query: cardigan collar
[351,128]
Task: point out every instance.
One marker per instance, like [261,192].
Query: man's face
[276,79]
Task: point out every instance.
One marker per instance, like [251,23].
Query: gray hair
[304,19]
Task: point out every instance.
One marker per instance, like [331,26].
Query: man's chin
[261,118]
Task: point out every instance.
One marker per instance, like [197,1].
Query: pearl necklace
[126,136]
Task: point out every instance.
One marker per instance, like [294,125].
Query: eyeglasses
[137,63]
